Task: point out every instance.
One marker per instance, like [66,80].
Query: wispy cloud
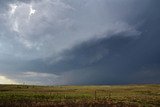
[61,25]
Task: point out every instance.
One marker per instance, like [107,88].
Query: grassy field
[80,96]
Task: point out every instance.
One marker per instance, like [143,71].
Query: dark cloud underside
[81,42]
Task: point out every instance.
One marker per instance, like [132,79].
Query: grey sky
[80,41]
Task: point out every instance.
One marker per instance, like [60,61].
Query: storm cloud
[80,42]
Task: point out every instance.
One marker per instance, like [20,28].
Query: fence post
[109,95]
[95,94]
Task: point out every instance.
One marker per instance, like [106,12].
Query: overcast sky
[80,42]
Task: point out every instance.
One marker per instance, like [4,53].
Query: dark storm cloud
[128,60]
[116,60]
[119,59]
[80,42]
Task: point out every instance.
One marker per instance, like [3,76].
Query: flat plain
[80,96]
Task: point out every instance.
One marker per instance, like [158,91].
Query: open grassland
[80,96]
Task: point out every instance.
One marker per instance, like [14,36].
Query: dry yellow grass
[83,96]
